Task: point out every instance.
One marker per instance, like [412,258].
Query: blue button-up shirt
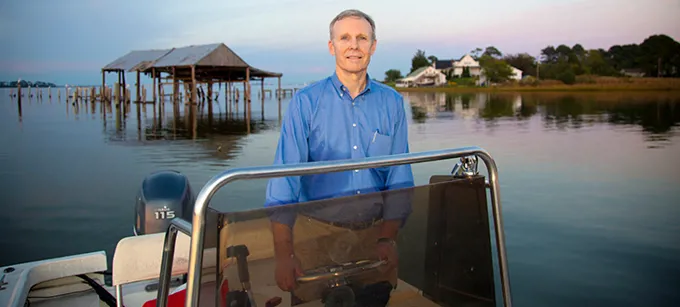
[324,123]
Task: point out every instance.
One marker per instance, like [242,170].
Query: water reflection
[657,114]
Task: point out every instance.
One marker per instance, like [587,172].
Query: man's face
[351,44]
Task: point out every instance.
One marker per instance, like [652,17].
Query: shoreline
[549,88]
[587,84]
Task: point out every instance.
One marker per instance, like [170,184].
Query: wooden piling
[193,85]
[160,92]
[153,76]
[103,84]
[116,94]
[19,94]
[175,86]
[209,100]
[139,94]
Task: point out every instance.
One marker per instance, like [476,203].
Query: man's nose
[354,43]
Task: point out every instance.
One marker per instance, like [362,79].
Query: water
[588,181]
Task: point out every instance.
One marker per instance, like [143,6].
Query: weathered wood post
[210,97]
[125,92]
[194,95]
[153,76]
[160,85]
[139,94]
[103,92]
[175,86]
[19,95]
[246,98]
[262,90]
[116,94]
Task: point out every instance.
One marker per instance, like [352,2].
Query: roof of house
[416,72]
[443,64]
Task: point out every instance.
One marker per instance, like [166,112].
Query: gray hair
[353,13]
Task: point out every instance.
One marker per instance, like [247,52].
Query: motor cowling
[163,196]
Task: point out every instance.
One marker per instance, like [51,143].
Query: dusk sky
[68,41]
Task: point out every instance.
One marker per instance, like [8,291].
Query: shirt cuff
[283,215]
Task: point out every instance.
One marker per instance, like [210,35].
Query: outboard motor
[164,195]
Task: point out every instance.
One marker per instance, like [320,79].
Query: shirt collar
[340,88]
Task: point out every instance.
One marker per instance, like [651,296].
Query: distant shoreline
[565,88]
[601,84]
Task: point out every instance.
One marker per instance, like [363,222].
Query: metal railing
[197,228]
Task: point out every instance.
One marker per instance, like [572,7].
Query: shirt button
[341,94]
[355,147]
[354,125]
[358,192]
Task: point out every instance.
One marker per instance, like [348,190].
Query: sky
[69,41]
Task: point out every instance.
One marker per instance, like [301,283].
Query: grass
[584,84]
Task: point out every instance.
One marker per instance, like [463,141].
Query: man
[345,116]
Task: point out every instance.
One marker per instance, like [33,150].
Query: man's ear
[331,49]
[375,42]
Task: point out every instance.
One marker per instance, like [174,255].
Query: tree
[393,75]
[465,73]
[549,55]
[476,53]
[495,70]
[596,64]
[492,52]
[579,52]
[660,56]
[522,61]
[419,60]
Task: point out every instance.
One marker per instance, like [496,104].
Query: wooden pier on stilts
[192,73]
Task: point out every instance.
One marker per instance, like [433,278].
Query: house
[423,76]
[516,74]
[456,67]
[633,72]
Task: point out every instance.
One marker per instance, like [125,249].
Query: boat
[184,253]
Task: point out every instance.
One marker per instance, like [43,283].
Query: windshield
[320,253]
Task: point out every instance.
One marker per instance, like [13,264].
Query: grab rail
[197,227]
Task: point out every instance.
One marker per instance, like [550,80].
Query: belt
[358,225]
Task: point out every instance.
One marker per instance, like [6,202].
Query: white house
[423,76]
[516,74]
[457,67]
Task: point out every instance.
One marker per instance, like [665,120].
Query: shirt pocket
[379,145]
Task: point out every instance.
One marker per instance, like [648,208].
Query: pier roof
[135,58]
[210,61]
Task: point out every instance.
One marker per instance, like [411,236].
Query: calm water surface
[589,182]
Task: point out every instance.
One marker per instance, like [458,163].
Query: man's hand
[387,250]
[287,270]
[288,266]
[386,246]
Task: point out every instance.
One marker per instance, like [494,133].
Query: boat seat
[139,258]
[17,280]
